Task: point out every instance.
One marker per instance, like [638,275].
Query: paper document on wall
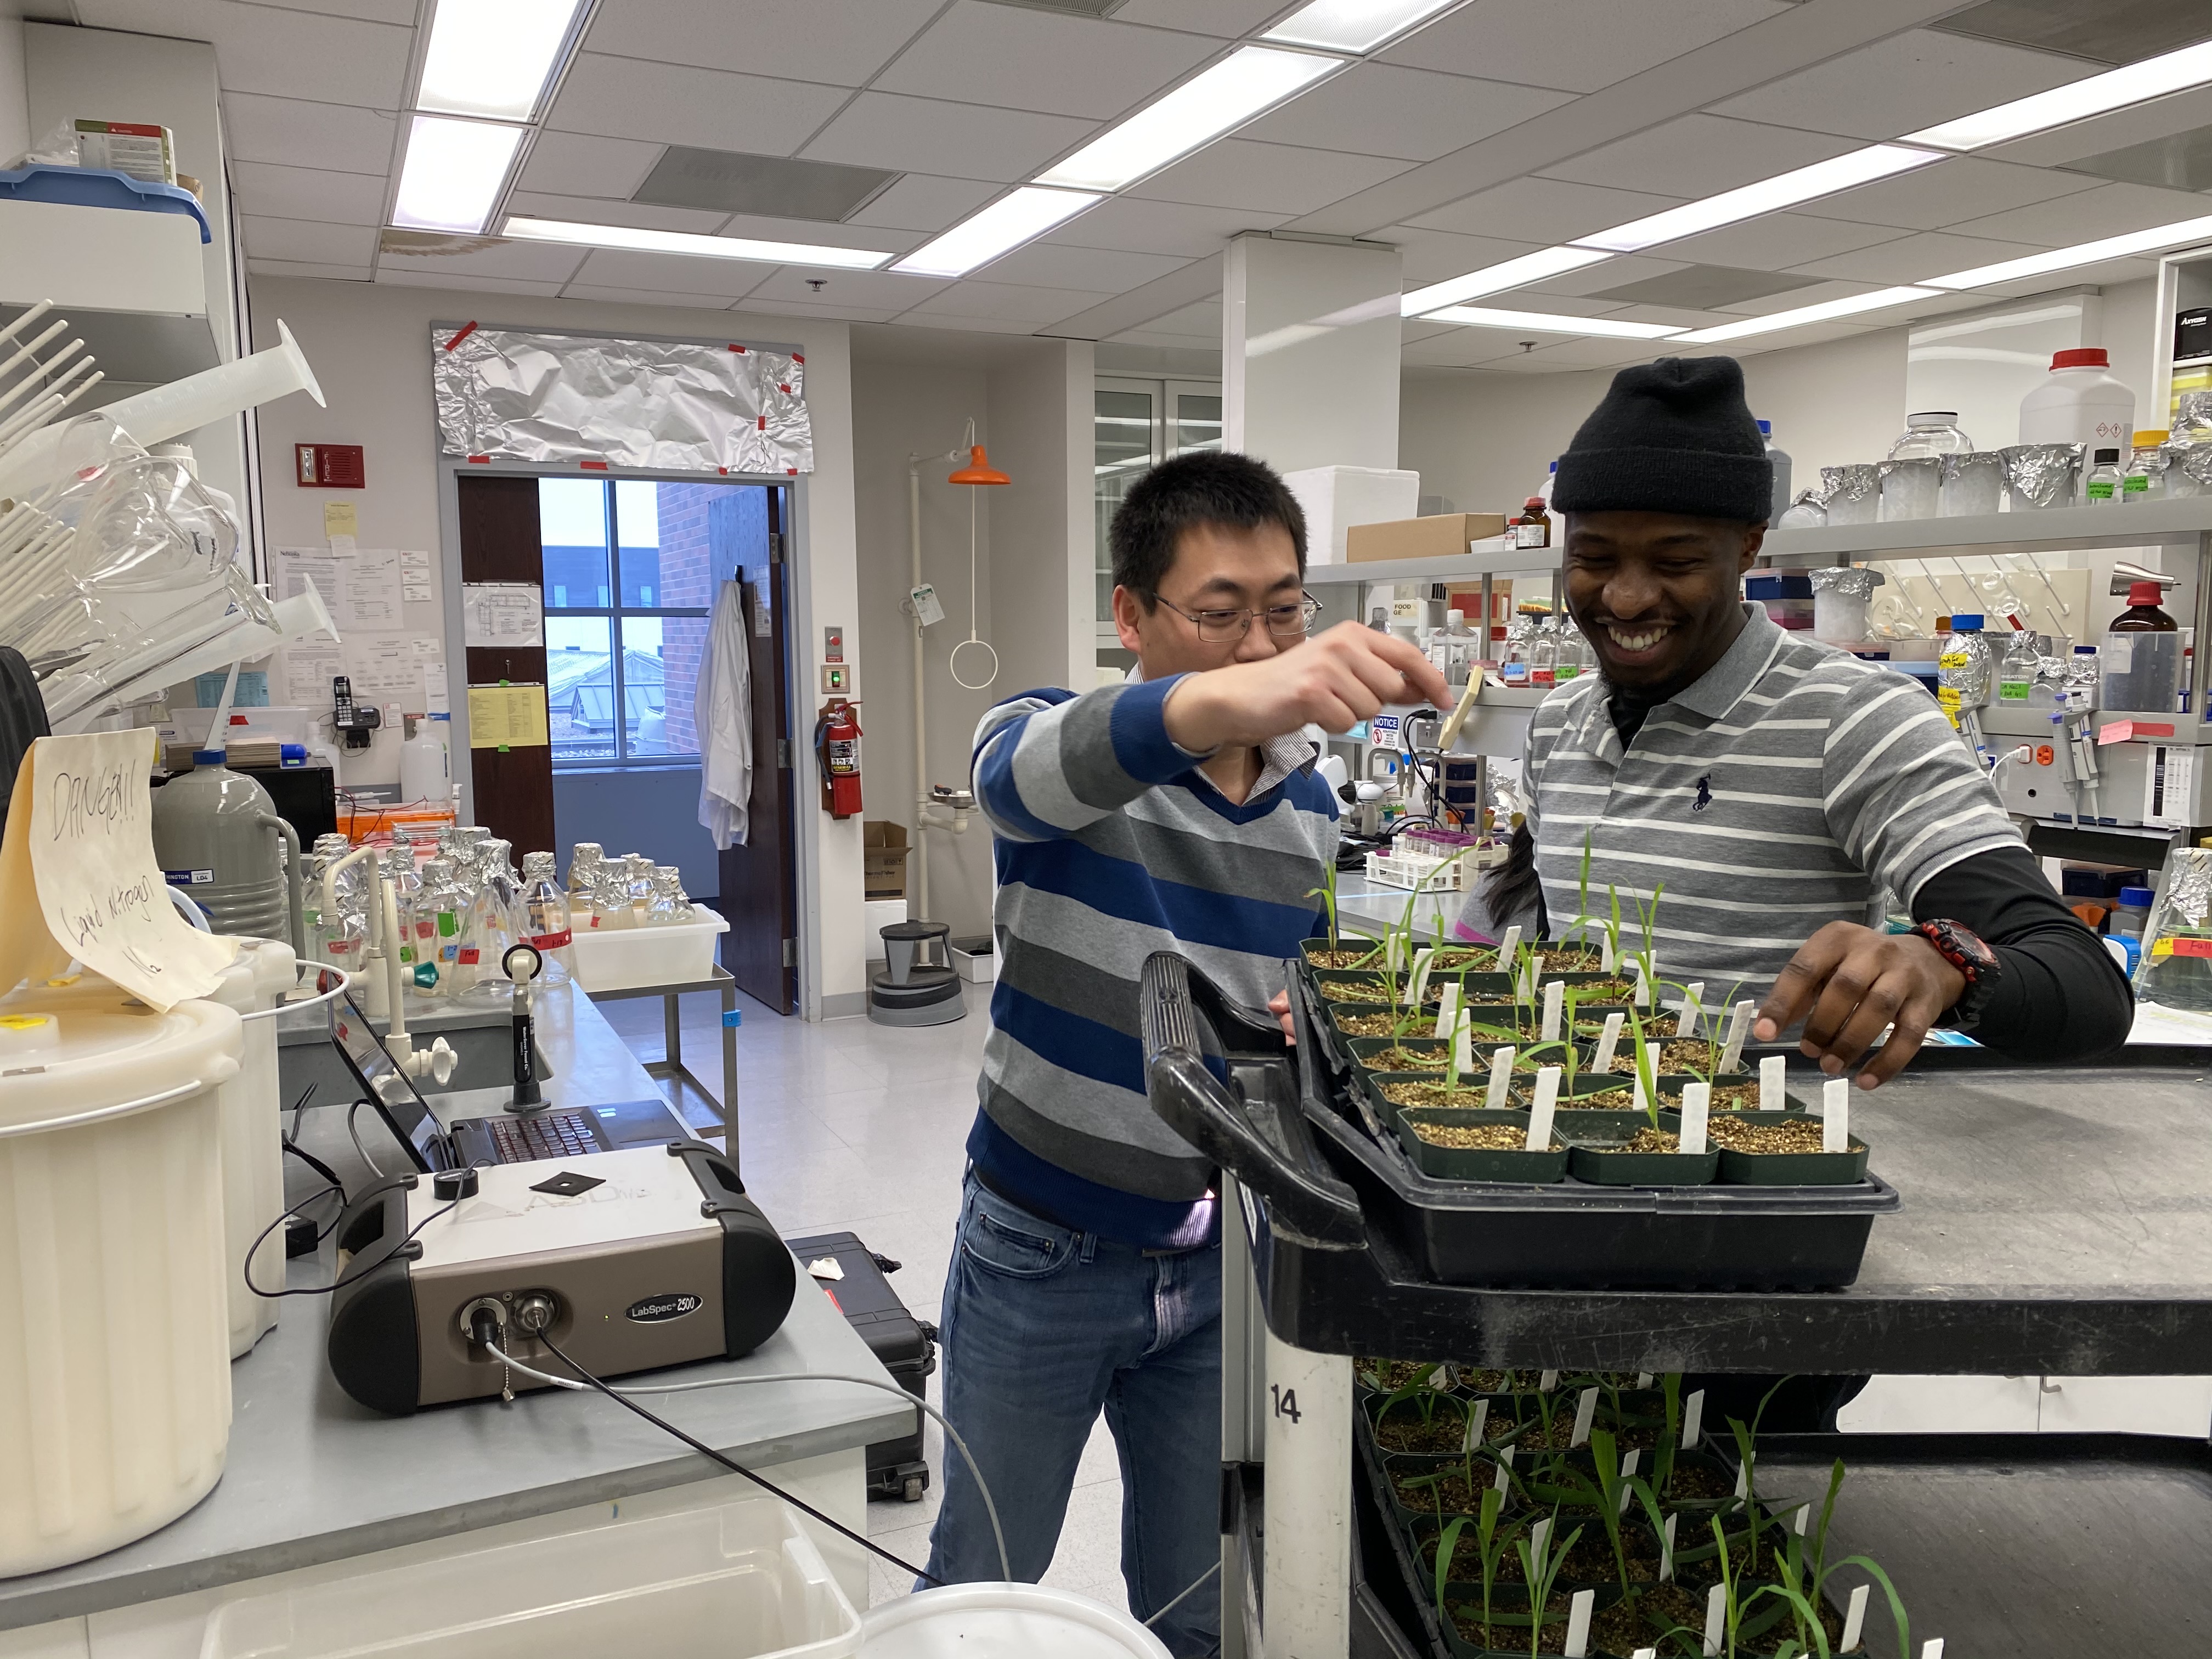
[502,613]
[359,586]
[78,877]
[507,717]
[310,661]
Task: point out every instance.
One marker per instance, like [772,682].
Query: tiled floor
[854,1126]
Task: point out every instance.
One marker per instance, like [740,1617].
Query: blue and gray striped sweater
[1112,845]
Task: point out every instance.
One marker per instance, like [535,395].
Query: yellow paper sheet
[27,951]
[83,813]
[507,717]
[341,520]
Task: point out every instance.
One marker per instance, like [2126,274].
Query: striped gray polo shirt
[1781,792]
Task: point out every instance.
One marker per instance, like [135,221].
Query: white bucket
[115,1403]
[1004,1621]
[254,1138]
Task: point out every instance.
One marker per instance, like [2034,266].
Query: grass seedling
[1647,1075]
[1491,1541]
[1612,1489]
[1542,1569]
[1670,1436]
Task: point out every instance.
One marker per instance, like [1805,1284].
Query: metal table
[671,1064]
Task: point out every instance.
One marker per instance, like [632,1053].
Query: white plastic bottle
[426,769]
[1779,458]
[2081,402]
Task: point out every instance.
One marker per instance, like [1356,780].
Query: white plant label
[1462,1048]
[1693,1420]
[1540,1116]
[1394,952]
[1538,1535]
[1642,995]
[1643,1381]
[1667,1549]
[1772,1096]
[1629,1463]
[1835,1115]
[1716,1617]
[1507,948]
[1638,1099]
[1608,1041]
[1422,962]
[1546,1381]
[1605,951]
[1804,1514]
[1743,1480]
[1855,1618]
[1501,1079]
[1585,1417]
[1578,1622]
[1697,1108]
[1933,1649]
[1645,1653]
[1477,1420]
[1536,977]
[1447,1009]
[1739,1029]
[1555,1000]
[1504,1468]
[1692,1009]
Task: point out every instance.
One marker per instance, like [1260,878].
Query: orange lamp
[979,470]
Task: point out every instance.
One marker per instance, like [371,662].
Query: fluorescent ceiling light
[983,237]
[2082,254]
[493,57]
[1231,92]
[1496,279]
[1544,322]
[1784,190]
[1352,25]
[691,242]
[1804,315]
[2154,77]
[453,173]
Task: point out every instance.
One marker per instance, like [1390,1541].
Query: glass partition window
[1134,426]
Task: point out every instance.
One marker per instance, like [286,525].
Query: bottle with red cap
[2079,403]
[2142,656]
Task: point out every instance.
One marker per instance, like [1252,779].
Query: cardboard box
[884,850]
[1443,536]
[1337,497]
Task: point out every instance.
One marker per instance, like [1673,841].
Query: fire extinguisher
[837,748]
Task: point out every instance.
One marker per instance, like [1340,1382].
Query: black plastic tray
[1286,1125]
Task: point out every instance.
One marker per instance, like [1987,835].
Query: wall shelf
[2043,530]
[132,285]
[1455,567]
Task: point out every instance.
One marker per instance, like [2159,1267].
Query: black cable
[704,1449]
[336,1284]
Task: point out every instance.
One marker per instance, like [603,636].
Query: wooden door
[500,542]
[759,881]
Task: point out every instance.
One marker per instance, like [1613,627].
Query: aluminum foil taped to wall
[676,407]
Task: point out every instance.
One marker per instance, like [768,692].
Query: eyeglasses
[1284,622]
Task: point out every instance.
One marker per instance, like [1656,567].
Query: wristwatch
[1965,950]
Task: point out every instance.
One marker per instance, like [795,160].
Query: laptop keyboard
[542,1135]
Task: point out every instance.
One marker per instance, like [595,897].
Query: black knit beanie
[1673,437]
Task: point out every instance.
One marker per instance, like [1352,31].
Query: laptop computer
[502,1138]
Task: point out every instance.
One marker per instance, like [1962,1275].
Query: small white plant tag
[1536,977]
[1696,1107]
[1605,952]
[1422,962]
[1447,1009]
[1638,1098]
[1693,1420]
[1578,1622]
[1546,1381]
[1804,1514]
[1772,1096]
[1666,1548]
[1507,948]
[1854,1619]
[1477,1420]
[1504,1468]
[1585,1417]
[1538,1535]
[1608,1041]
[1835,1115]
[1629,1463]
[1540,1116]
[1743,1480]
[1501,1079]
[1643,1381]
[1462,1058]
[1716,1617]
[1739,1029]
[1555,1002]
[1692,1009]
[1645,1653]
[1933,1649]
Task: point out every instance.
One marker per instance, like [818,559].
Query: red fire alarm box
[328,466]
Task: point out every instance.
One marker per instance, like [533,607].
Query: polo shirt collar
[1713,694]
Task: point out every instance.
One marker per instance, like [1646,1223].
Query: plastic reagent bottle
[2081,402]
[2084,680]
[1779,460]
[2016,673]
[2102,485]
[550,919]
[2146,475]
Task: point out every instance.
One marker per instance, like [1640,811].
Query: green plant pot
[1366,1050]
[1387,1109]
[1478,1163]
[1791,1169]
[1592,1162]
[1314,952]
[1333,983]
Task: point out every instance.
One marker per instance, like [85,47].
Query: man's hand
[1279,1005]
[1335,680]
[1846,983]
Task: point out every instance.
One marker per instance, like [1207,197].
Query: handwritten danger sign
[78,877]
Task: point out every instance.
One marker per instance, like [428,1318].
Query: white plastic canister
[115,1394]
[253,1138]
[2079,403]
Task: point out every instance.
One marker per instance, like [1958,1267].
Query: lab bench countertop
[312,1477]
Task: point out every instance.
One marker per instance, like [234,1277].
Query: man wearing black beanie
[1766,788]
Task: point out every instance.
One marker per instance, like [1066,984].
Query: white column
[1308,1581]
[1310,352]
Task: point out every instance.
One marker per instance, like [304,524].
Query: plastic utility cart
[2028,1209]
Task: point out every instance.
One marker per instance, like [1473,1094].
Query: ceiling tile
[1938,197]
[1463,347]
[646,297]
[294,132]
[408,276]
[402,12]
[1699,287]
[1430,256]
[1545,208]
[1914,259]
[2110,31]
[1557,354]
[1199,322]
[1006,302]
[1013,57]
[273,50]
[292,268]
[872,290]
[1600,278]
[671,273]
[840,42]
[969,325]
[677,103]
[1125,221]
[1819,294]
[1044,264]
[1576,44]
[2086,215]
[1700,156]
[1899,85]
[533,261]
[928,135]
[2139,124]
[307,241]
[280,192]
[1380,109]
[1778,242]
[1226,19]
[598,211]
[579,164]
[1273,178]
[924,202]
[793,308]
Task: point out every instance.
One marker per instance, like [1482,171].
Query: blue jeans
[1042,1328]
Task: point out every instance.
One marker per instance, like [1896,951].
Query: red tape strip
[465,333]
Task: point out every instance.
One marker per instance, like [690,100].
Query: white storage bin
[629,959]
[1334,498]
[1004,1621]
[738,1582]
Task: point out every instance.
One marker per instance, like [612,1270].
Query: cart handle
[1193,1102]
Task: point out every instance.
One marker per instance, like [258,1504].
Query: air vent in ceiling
[2180,161]
[773,186]
[2107,32]
[1703,288]
[1079,8]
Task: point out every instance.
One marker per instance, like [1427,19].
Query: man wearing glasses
[1178,810]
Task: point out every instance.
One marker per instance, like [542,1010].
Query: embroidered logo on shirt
[1704,793]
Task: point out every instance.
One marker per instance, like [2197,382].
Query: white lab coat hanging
[724,710]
